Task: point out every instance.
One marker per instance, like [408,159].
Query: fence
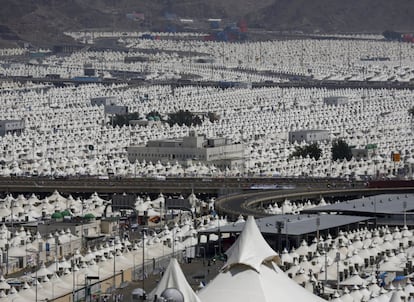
[154,266]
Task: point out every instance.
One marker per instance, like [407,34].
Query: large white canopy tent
[251,274]
[174,278]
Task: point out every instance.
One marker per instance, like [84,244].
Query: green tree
[123,120]
[213,116]
[411,112]
[182,117]
[340,150]
[154,114]
[312,150]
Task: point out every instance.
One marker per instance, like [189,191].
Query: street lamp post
[204,260]
[405,212]
[161,206]
[173,242]
[11,213]
[287,235]
[114,281]
[86,286]
[73,279]
[7,246]
[318,223]
[204,254]
[134,277]
[143,259]
[37,267]
[219,237]
[337,258]
[326,266]
[82,230]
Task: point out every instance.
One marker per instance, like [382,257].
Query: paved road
[297,81]
[186,185]
[250,203]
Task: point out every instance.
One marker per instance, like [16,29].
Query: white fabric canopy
[355,279]
[251,274]
[174,278]
[250,248]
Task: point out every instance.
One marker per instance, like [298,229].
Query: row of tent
[377,118]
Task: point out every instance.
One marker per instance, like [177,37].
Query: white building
[116,109]
[191,148]
[104,100]
[309,136]
[11,126]
[110,104]
[336,100]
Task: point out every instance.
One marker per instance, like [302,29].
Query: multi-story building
[192,148]
[11,126]
[104,100]
[110,104]
[309,136]
[336,100]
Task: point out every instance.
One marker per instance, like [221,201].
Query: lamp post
[25,250]
[204,260]
[337,258]
[405,212]
[173,242]
[56,252]
[11,213]
[204,254]
[86,286]
[114,281]
[161,206]
[134,277]
[325,247]
[82,226]
[143,259]
[318,223]
[219,236]
[37,259]
[287,235]
[72,262]
[7,246]
[37,267]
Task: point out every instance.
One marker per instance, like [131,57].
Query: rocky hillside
[44,20]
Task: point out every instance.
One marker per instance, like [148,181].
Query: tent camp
[251,274]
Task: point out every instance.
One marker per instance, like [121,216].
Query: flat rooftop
[372,205]
[294,224]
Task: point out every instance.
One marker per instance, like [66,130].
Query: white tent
[174,278]
[3,284]
[355,279]
[251,274]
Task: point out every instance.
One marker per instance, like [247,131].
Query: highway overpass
[182,185]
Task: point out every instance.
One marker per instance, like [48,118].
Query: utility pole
[318,223]
[405,212]
[338,257]
[143,260]
[114,281]
[73,280]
